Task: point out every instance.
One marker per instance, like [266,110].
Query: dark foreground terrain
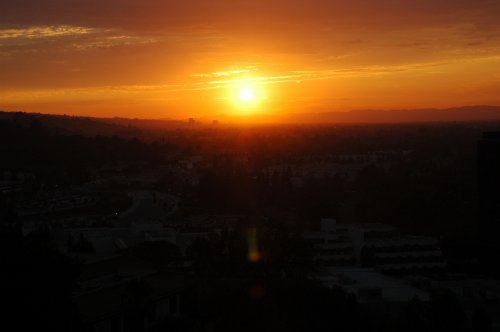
[189,227]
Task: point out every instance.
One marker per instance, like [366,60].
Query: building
[488,153]
[371,286]
[114,299]
[332,244]
[383,247]
[378,246]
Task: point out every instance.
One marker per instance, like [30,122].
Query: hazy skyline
[159,59]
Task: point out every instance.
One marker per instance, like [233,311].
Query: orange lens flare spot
[253,246]
[257,292]
[254,256]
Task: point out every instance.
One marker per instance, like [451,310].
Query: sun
[247,99]
[246,94]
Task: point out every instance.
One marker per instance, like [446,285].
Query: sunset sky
[200,58]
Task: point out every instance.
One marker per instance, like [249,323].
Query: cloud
[35,39]
[241,15]
[37,32]
[297,76]
[224,73]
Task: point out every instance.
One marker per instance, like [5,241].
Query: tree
[155,252]
[446,312]
[37,283]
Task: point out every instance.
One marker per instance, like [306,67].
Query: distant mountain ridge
[126,127]
[87,126]
[61,124]
[455,114]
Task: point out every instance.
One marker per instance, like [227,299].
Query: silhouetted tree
[446,312]
[37,283]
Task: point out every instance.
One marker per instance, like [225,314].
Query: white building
[375,245]
[332,243]
[371,286]
[381,246]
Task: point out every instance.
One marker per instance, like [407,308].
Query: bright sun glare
[246,94]
[247,99]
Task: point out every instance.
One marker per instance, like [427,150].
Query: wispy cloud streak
[298,76]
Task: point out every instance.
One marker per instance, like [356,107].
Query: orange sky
[190,58]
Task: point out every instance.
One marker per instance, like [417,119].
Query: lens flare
[253,246]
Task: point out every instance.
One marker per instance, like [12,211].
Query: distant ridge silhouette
[126,126]
[464,113]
